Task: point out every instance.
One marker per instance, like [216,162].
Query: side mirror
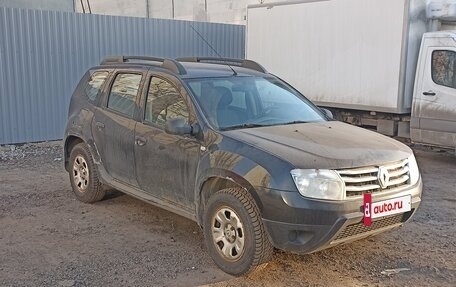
[178,126]
[327,113]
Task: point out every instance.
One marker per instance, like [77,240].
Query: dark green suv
[239,151]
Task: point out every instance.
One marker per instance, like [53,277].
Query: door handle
[140,141]
[429,93]
[99,125]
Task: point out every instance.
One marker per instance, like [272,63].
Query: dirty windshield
[247,102]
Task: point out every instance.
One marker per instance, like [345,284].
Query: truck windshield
[247,102]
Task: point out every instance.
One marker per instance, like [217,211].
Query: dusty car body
[237,150]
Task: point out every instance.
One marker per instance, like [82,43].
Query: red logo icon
[367,209]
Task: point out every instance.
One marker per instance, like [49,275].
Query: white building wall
[218,11]
[134,8]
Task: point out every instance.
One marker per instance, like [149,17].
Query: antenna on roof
[210,46]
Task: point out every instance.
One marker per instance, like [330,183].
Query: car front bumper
[301,225]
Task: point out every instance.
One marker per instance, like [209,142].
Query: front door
[166,164]
[435,102]
[113,127]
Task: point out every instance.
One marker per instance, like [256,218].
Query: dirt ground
[48,238]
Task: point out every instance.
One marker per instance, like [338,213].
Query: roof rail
[248,64]
[169,64]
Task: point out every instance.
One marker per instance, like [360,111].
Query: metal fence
[43,54]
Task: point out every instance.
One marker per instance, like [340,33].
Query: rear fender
[79,130]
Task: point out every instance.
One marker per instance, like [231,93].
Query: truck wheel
[234,233]
[84,176]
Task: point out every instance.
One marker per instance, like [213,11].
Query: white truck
[390,64]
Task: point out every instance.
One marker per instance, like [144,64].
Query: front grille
[360,228]
[366,179]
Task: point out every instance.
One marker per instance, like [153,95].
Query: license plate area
[373,210]
[391,206]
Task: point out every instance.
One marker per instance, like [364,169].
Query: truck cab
[433,118]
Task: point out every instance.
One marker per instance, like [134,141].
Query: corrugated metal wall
[43,54]
[55,5]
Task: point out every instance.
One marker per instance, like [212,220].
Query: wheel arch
[70,142]
[221,180]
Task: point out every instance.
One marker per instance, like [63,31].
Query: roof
[209,70]
[198,67]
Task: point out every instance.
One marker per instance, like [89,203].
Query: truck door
[435,99]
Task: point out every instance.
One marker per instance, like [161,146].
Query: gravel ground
[48,238]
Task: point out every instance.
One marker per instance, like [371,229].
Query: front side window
[164,102]
[122,97]
[243,102]
[443,68]
[95,84]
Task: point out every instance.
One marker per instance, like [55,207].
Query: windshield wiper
[243,126]
[295,122]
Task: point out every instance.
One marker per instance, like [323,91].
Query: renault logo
[383,177]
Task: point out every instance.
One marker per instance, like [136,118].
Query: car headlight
[319,183]
[413,170]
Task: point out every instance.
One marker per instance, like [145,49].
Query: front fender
[234,168]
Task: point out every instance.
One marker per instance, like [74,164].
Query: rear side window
[95,84]
[124,91]
[443,68]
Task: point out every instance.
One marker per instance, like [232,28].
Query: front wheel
[234,233]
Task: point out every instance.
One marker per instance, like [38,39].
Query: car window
[164,102]
[238,102]
[95,84]
[238,97]
[122,97]
[443,68]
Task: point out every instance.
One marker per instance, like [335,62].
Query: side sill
[146,197]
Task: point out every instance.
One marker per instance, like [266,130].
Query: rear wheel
[84,176]
[234,233]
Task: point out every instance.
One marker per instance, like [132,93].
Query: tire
[234,232]
[84,175]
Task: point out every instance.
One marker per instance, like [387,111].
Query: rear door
[113,126]
[166,164]
[435,102]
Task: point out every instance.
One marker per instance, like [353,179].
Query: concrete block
[387,127]
[369,122]
[403,130]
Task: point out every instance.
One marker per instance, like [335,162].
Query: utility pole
[172,5]
[83,9]
[89,9]
[147,9]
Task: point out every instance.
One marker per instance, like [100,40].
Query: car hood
[328,145]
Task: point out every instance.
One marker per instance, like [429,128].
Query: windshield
[244,102]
